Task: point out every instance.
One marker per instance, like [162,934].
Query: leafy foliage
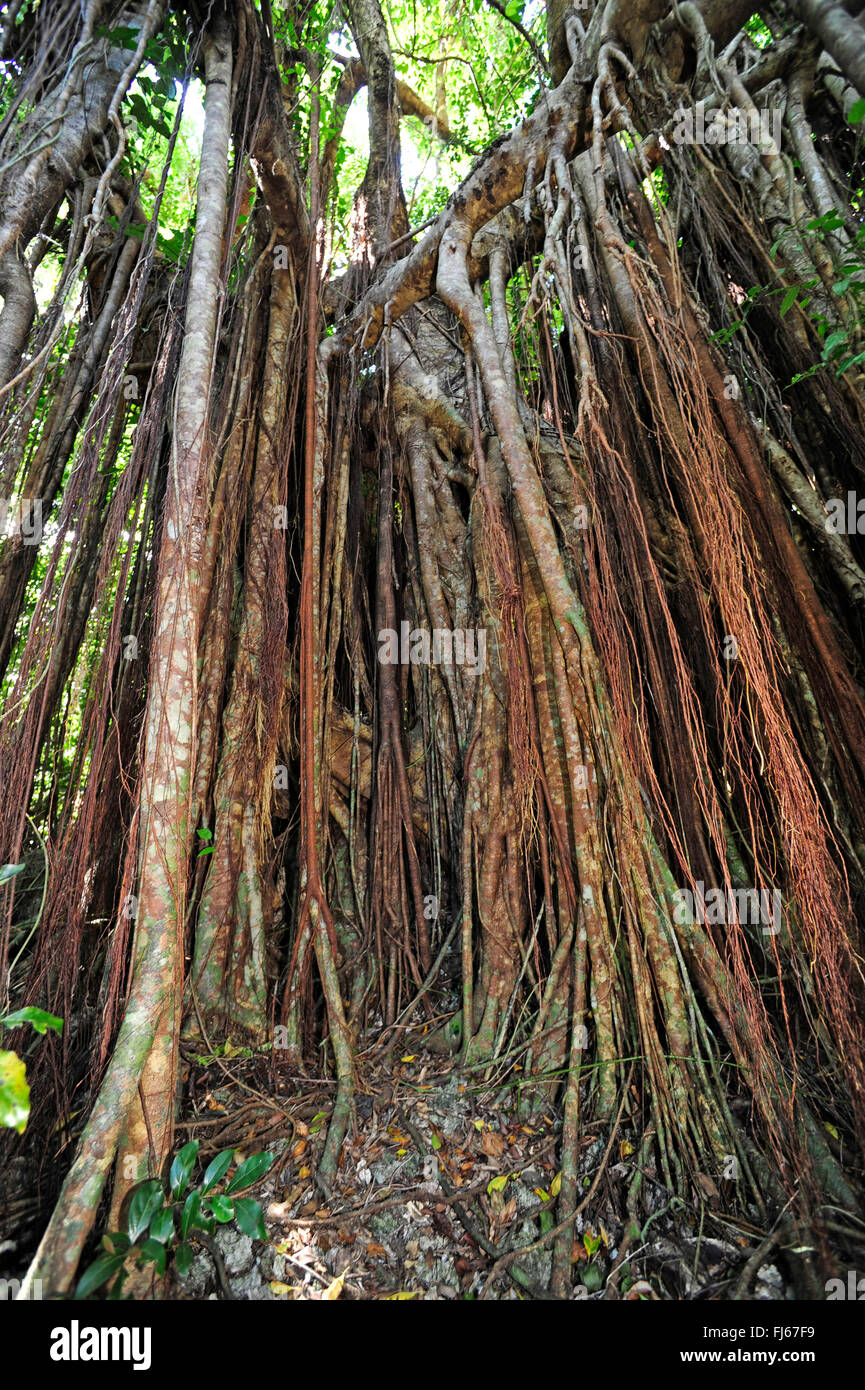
[14,1088]
[164,1219]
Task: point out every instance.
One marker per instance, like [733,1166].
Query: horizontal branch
[497,180]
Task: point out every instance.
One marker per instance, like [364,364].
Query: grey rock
[524,1197]
[236,1249]
[537,1265]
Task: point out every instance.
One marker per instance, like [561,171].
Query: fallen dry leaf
[333,1291]
[492,1144]
[706,1186]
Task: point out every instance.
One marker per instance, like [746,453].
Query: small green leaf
[115,1241]
[8,871]
[216,1170]
[222,1208]
[183,1259]
[98,1273]
[191,1212]
[14,1092]
[38,1019]
[151,1252]
[435,1141]
[146,1199]
[829,222]
[856,114]
[181,1168]
[592,1244]
[249,1217]
[849,362]
[833,341]
[162,1225]
[789,299]
[497,1184]
[124,36]
[249,1172]
[204,834]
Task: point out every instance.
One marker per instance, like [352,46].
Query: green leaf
[829,222]
[124,36]
[497,1184]
[249,1217]
[216,1170]
[140,110]
[789,299]
[222,1209]
[146,1199]
[249,1172]
[8,871]
[38,1019]
[151,1252]
[191,1212]
[592,1278]
[115,1241]
[14,1092]
[857,112]
[849,362]
[162,1225]
[183,1259]
[833,341]
[98,1273]
[181,1168]
[204,834]
[172,246]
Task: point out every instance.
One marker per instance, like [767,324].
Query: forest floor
[446,1189]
